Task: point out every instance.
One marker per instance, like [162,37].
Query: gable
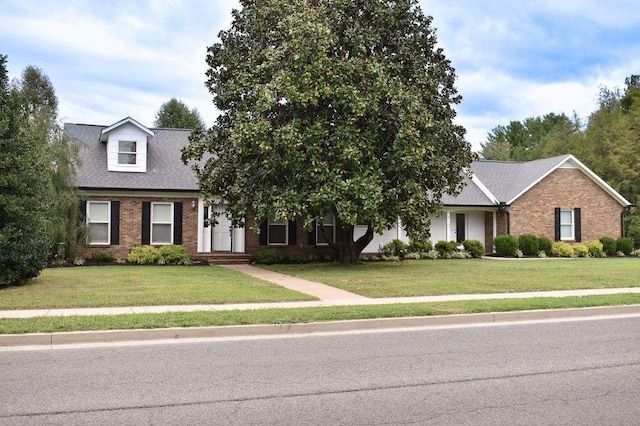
[127,149]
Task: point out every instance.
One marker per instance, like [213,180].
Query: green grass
[465,276]
[299,315]
[98,286]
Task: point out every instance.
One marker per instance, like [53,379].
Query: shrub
[431,254]
[506,245]
[102,256]
[544,244]
[445,247]
[595,248]
[412,255]
[268,256]
[143,255]
[528,244]
[297,257]
[581,250]
[460,255]
[542,254]
[174,254]
[609,246]
[419,246]
[518,253]
[474,247]
[625,244]
[562,249]
[394,248]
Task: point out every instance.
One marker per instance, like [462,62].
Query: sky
[514,59]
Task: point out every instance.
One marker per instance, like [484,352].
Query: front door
[460,227]
[221,231]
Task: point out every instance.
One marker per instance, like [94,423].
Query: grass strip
[300,315]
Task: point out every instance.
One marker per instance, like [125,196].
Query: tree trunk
[348,250]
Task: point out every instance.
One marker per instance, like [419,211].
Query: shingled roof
[165,170]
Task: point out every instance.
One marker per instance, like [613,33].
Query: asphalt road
[570,372]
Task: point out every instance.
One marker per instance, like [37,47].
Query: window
[127,152]
[277,231]
[328,224]
[98,215]
[567,225]
[161,223]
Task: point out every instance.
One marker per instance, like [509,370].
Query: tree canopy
[332,107]
[176,114]
[37,200]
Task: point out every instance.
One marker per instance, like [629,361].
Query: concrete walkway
[329,296]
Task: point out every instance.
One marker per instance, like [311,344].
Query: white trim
[484,189]
[103,133]
[567,162]
[89,222]
[332,224]
[140,194]
[571,237]
[151,223]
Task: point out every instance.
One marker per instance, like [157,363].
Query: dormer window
[127,142]
[127,152]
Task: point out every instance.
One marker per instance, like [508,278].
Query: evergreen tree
[175,114]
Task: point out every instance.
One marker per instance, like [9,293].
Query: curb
[60,339]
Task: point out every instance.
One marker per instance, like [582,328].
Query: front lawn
[97,286]
[466,276]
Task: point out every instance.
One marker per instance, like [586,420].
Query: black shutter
[82,218]
[146,222]
[263,233]
[292,233]
[557,223]
[311,238]
[115,223]
[177,223]
[577,224]
[338,233]
[205,217]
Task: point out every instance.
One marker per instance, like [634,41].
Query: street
[565,372]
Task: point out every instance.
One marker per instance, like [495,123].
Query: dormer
[126,146]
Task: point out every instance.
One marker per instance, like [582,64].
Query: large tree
[332,107]
[24,247]
[176,114]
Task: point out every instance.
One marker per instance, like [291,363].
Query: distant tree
[175,114]
[332,108]
[24,247]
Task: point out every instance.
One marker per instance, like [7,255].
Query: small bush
[102,256]
[562,249]
[580,250]
[297,257]
[620,254]
[268,256]
[390,258]
[394,248]
[460,255]
[445,247]
[474,247]
[143,255]
[518,254]
[174,254]
[542,254]
[595,248]
[78,261]
[419,246]
[625,244]
[544,244]
[431,254]
[506,245]
[528,244]
[412,255]
[636,253]
[609,246]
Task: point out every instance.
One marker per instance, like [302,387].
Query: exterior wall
[533,212]
[131,225]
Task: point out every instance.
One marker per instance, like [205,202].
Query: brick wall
[131,225]
[533,212]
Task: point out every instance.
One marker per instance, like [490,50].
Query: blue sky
[514,59]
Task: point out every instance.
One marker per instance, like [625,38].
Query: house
[137,191]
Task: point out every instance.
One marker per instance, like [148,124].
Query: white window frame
[571,224]
[135,152]
[272,222]
[152,223]
[89,221]
[322,223]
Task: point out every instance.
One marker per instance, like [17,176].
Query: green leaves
[331,106]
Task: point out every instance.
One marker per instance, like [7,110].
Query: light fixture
[193,204]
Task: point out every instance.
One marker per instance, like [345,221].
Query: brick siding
[533,212]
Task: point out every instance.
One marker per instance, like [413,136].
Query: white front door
[221,232]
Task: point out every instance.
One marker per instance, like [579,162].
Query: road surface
[565,372]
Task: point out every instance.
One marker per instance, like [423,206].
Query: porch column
[448,235]
[238,240]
